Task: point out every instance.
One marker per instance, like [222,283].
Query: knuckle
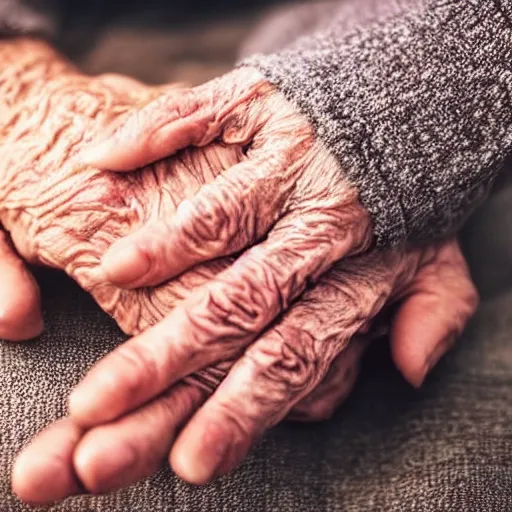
[287,359]
[216,220]
[227,214]
[236,419]
[177,103]
[240,303]
[236,306]
[226,315]
[206,219]
[243,123]
[209,379]
[189,104]
[250,305]
[136,366]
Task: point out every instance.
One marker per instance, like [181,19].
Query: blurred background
[157,40]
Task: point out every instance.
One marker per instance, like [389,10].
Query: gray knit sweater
[415,105]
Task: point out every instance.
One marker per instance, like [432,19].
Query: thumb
[159,129]
[439,303]
[20,302]
[178,118]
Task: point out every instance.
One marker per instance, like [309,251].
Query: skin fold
[62,213]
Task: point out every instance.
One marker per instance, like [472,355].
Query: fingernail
[436,355]
[125,264]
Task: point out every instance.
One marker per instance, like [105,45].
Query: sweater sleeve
[417,108]
[36,18]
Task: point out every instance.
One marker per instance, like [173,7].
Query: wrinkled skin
[288,204]
[437,299]
[64,214]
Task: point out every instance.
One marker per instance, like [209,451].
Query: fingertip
[199,450]
[207,448]
[187,470]
[43,472]
[123,148]
[102,155]
[102,462]
[21,317]
[122,452]
[125,264]
[421,334]
[16,328]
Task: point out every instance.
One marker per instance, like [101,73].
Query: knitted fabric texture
[415,106]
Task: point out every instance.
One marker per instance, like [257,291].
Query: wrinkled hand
[287,192]
[66,215]
[61,214]
[301,370]
[285,188]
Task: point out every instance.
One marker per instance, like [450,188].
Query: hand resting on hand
[62,214]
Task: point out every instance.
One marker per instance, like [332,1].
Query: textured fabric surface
[415,105]
[447,447]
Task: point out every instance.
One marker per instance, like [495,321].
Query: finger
[171,122]
[63,460]
[441,300]
[216,323]
[43,472]
[259,391]
[118,454]
[337,385]
[234,211]
[277,371]
[20,303]
[175,120]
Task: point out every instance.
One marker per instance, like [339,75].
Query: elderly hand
[61,214]
[287,194]
[65,215]
[304,371]
[285,188]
